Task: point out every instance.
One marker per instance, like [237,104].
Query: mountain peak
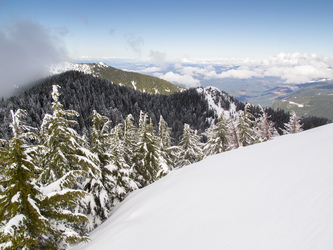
[143,83]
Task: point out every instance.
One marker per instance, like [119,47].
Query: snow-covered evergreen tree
[191,147]
[169,153]
[99,203]
[64,151]
[246,133]
[218,135]
[26,213]
[265,128]
[233,134]
[121,171]
[130,140]
[148,166]
[66,163]
[294,125]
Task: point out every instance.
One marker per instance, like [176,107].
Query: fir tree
[66,163]
[246,133]
[233,134]
[121,171]
[130,140]
[26,212]
[294,125]
[99,187]
[147,159]
[169,153]
[217,137]
[191,147]
[265,128]
[63,145]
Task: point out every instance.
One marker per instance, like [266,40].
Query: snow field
[272,195]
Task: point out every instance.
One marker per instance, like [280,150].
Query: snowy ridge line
[68,66]
[215,97]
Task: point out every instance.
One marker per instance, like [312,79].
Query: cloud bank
[26,48]
[291,68]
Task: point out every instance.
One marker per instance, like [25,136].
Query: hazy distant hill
[143,83]
[313,99]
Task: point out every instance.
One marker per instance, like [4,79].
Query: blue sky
[179,29]
[185,42]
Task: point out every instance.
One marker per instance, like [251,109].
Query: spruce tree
[147,159]
[100,186]
[191,147]
[26,212]
[121,171]
[130,140]
[245,127]
[169,153]
[233,134]
[265,127]
[294,125]
[217,137]
[66,163]
[64,151]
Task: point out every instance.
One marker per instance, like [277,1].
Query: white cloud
[185,80]
[290,67]
[26,48]
[158,58]
[238,74]
[135,43]
[150,70]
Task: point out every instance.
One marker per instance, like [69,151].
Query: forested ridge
[85,93]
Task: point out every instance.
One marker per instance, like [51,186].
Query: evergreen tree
[294,125]
[130,140]
[217,137]
[233,134]
[121,171]
[265,128]
[66,163]
[147,159]
[191,147]
[64,152]
[246,133]
[169,153]
[99,187]
[26,212]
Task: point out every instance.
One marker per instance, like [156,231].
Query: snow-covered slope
[273,195]
[218,100]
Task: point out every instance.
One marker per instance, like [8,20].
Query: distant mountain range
[137,81]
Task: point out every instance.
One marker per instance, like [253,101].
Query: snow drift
[273,195]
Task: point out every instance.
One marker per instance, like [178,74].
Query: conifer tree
[294,125]
[26,213]
[147,159]
[130,141]
[64,152]
[191,147]
[66,163]
[169,153]
[99,187]
[233,134]
[121,171]
[265,128]
[217,137]
[246,133]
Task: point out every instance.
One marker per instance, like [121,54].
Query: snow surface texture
[272,195]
